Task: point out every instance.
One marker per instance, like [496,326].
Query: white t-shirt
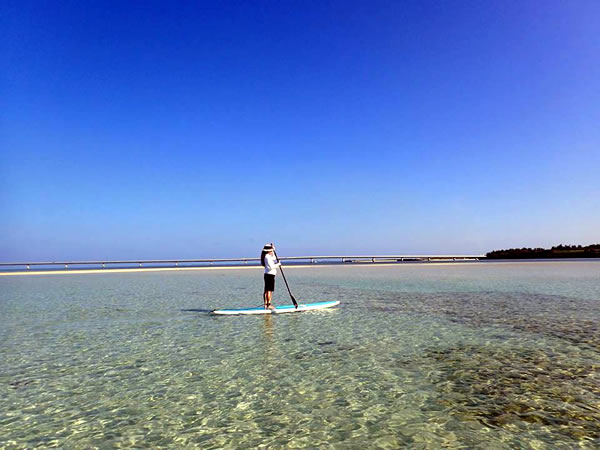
[271,264]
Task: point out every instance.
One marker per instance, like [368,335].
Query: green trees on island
[560,251]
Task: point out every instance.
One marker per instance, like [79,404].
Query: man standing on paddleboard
[270,263]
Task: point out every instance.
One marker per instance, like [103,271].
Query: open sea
[479,355]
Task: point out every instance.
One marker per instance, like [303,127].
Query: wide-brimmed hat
[268,247]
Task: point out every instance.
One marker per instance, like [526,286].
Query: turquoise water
[423,356]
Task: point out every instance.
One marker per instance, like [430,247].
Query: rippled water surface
[425,356]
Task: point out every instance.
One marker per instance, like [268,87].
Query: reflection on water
[481,356]
[268,327]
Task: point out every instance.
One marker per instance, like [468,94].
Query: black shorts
[269,282]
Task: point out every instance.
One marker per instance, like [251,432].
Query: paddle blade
[294,301]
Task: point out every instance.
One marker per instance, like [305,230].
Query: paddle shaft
[286,283]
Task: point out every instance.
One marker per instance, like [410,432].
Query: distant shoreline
[290,266]
[556,252]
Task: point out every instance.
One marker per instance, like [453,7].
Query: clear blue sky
[141,129]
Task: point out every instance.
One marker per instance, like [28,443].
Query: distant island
[560,251]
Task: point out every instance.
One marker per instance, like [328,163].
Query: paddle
[286,283]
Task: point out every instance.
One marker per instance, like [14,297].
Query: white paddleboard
[278,309]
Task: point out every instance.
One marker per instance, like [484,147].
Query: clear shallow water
[474,356]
